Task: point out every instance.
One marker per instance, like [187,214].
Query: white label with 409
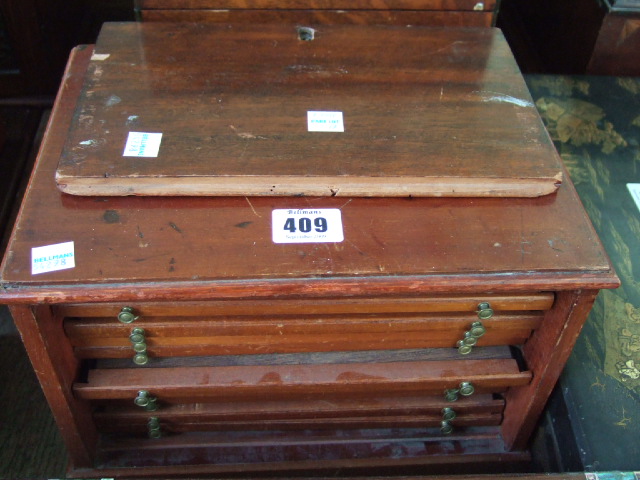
[306,225]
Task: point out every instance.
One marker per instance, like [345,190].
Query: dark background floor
[30,445]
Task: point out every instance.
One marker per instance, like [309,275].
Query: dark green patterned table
[595,123]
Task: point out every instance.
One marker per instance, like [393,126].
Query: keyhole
[306,34]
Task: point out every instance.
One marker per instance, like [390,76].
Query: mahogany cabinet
[449,13]
[185,341]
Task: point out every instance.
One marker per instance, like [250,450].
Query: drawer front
[189,336]
[447,393]
[348,413]
[320,306]
[301,365]
[259,327]
[197,384]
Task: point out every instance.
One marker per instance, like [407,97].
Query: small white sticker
[634,190]
[142,144]
[306,225]
[325,121]
[100,57]
[52,257]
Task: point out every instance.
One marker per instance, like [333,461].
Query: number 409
[305,225]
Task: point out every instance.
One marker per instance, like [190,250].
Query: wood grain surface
[267,409]
[319,306]
[369,452]
[183,336]
[138,425]
[289,381]
[431,18]
[315,4]
[205,248]
[451,13]
[426,112]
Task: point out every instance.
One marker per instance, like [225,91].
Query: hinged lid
[189,109]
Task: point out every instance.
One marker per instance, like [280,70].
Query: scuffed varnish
[496,97]
[246,135]
[100,57]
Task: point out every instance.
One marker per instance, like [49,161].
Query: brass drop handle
[139,343]
[153,427]
[471,336]
[477,329]
[485,312]
[126,315]
[448,414]
[146,401]
[446,428]
[465,389]
[137,336]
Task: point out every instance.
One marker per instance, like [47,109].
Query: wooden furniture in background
[183,320]
[617,47]
[368,12]
[35,39]
[573,37]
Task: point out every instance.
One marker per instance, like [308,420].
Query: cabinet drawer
[379,405]
[315,306]
[371,412]
[271,366]
[300,325]
[188,336]
[309,391]
[318,378]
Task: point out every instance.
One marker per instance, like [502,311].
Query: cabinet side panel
[52,358]
[546,353]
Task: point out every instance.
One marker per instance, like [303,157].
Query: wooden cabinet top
[418,112]
[153,248]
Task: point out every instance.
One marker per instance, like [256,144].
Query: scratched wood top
[144,248]
[426,112]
